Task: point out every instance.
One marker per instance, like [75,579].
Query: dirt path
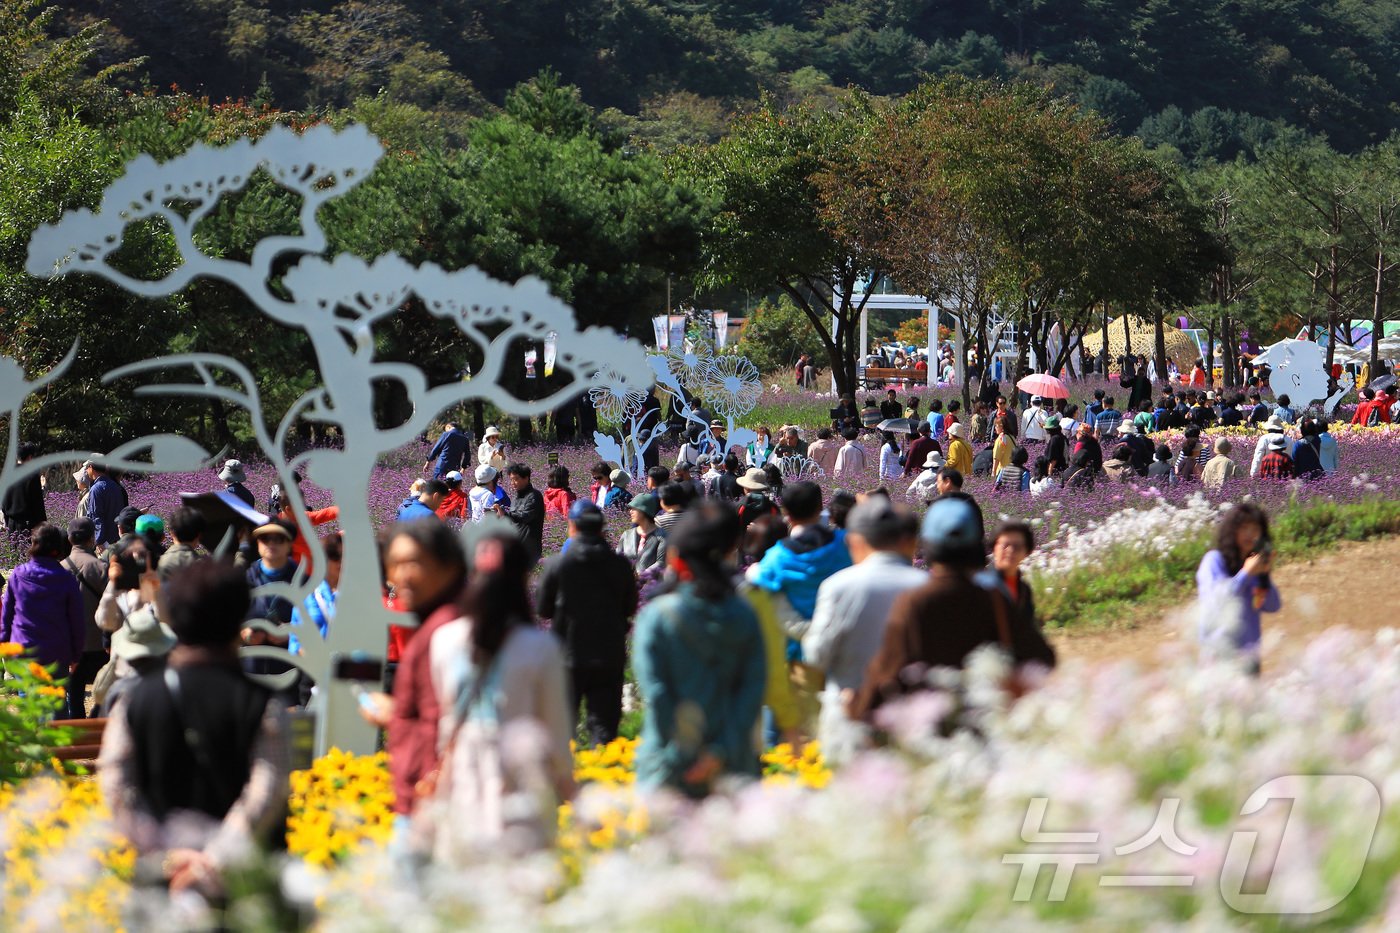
[1338,587]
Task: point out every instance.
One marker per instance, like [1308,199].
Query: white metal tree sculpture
[337,302]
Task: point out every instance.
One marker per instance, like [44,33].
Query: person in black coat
[589,592]
[526,510]
[23,504]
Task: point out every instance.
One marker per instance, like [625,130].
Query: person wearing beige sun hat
[138,647]
[492,451]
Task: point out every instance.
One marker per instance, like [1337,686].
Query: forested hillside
[1204,76]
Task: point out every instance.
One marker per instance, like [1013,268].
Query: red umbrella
[1043,385]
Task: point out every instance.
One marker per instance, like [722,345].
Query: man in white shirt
[1033,422]
[852,606]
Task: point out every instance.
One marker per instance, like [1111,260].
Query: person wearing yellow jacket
[778,694]
[959,454]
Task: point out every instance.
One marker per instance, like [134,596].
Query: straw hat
[754,479]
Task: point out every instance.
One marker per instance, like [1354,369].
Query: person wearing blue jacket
[451,451]
[797,565]
[698,656]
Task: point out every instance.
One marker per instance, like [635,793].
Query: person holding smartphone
[1235,587]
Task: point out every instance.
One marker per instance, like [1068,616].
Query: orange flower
[9,649]
[40,672]
[52,692]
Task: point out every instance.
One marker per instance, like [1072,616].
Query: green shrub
[30,697]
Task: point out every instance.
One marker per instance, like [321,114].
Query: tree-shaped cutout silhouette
[336,302]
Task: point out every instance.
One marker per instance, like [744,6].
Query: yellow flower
[40,672]
[9,649]
[51,692]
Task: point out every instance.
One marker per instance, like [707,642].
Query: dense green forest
[1208,77]
[638,156]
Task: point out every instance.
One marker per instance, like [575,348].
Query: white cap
[485,474]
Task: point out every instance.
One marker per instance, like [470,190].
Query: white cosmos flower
[732,386]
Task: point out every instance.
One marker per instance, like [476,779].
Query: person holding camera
[1234,584]
[492,451]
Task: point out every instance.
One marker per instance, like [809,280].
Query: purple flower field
[1369,465]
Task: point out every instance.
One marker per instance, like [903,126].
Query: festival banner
[658,324]
[721,319]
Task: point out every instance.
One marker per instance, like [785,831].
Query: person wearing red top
[1383,403]
[557,495]
[1011,545]
[1373,402]
[427,569]
[1276,464]
[301,546]
[454,504]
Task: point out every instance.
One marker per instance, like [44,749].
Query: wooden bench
[82,751]
[877,375]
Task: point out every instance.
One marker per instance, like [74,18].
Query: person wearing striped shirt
[1107,421]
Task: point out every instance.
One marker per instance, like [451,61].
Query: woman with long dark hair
[1234,584]
[505,727]
[698,654]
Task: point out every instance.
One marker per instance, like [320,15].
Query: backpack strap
[68,563]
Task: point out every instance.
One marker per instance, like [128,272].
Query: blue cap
[582,507]
[951,524]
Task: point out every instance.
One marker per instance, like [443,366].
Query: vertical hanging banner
[663,333]
[721,319]
[677,332]
[551,350]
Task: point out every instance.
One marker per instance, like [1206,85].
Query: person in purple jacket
[43,607]
[1234,585]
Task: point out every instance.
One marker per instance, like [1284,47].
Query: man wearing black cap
[953,614]
[589,593]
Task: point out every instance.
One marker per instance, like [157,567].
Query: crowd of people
[748,607]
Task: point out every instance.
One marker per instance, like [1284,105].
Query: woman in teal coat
[699,660]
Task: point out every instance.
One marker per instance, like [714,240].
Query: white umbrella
[1345,353]
[1390,347]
